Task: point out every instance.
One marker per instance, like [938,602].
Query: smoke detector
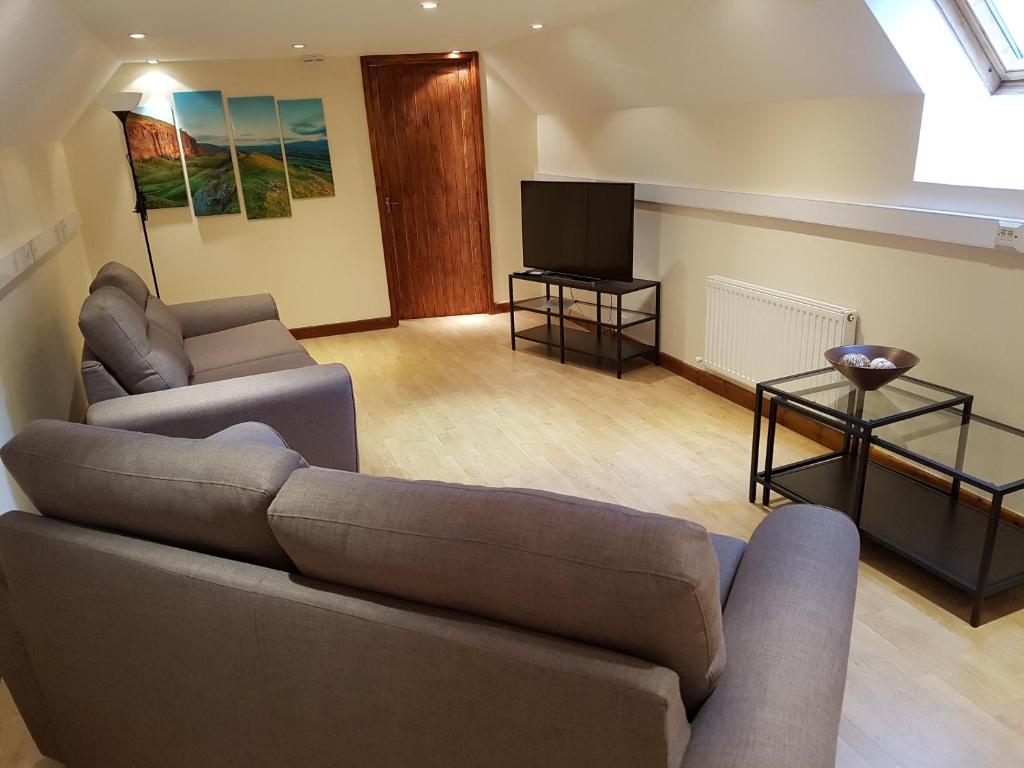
[314,58]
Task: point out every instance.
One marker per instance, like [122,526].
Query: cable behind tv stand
[606,337]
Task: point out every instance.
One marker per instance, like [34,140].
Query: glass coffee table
[902,505]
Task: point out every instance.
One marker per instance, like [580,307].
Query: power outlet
[1010,235]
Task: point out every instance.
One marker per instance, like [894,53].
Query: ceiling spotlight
[428,6]
[152,61]
[536,26]
[298,45]
[137,36]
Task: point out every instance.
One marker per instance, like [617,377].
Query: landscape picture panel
[204,140]
[156,157]
[260,158]
[305,148]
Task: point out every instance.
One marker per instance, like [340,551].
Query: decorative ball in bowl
[870,366]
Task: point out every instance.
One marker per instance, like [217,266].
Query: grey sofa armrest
[313,408]
[787,633]
[198,318]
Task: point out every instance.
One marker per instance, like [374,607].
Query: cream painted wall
[39,339]
[325,263]
[510,141]
[959,308]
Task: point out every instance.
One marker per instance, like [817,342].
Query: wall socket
[1010,235]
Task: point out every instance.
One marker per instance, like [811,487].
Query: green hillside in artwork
[264,186]
[162,182]
[211,177]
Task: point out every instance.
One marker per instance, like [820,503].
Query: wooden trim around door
[379,146]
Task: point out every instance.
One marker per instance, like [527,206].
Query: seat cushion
[248,349]
[646,585]
[207,495]
[730,552]
[119,276]
[143,357]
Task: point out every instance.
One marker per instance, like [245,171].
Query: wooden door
[426,136]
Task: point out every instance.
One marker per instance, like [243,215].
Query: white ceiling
[672,52]
[50,69]
[592,55]
[239,29]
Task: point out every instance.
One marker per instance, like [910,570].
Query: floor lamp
[122,104]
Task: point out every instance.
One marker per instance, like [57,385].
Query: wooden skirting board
[337,329]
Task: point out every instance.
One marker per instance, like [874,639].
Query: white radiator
[755,333]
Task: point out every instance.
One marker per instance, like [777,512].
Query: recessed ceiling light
[429,6]
[137,35]
[152,61]
[298,45]
[536,26]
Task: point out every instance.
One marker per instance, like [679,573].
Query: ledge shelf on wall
[920,223]
[21,258]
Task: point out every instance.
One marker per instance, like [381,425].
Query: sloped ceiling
[51,67]
[675,52]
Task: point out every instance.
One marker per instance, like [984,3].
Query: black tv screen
[579,228]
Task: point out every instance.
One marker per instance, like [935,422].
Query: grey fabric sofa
[218,602]
[188,370]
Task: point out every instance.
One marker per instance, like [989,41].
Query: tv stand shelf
[607,339]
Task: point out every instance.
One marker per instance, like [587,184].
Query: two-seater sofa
[218,603]
[189,370]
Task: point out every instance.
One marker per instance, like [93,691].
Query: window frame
[983,40]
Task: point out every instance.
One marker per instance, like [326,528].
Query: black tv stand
[606,339]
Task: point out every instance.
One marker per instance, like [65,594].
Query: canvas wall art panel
[305,148]
[260,158]
[156,157]
[204,138]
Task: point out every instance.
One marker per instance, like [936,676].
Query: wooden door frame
[378,146]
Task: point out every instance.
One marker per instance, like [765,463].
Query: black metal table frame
[596,288]
[858,437]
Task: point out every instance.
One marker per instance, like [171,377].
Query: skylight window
[992,33]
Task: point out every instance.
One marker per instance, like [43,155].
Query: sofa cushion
[119,276]
[157,313]
[646,585]
[143,358]
[204,495]
[260,347]
[730,552]
[252,433]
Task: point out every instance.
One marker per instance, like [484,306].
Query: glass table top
[828,391]
[982,452]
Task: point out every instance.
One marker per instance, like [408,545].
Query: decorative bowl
[870,379]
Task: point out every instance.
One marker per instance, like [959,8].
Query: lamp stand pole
[140,199]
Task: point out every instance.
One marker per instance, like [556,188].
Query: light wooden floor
[448,399]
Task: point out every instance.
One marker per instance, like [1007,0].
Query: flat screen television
[579,228]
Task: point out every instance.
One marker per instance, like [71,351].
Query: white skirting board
[920,223]
[17,261]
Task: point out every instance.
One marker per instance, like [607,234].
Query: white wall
[959,308]
[510,141]
[325,263]
[40,343]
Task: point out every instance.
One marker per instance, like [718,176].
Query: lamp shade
[118,102]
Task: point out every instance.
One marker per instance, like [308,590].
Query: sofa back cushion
[119,276]
[205,495]
[143,357]
[158,313]
[642,584]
